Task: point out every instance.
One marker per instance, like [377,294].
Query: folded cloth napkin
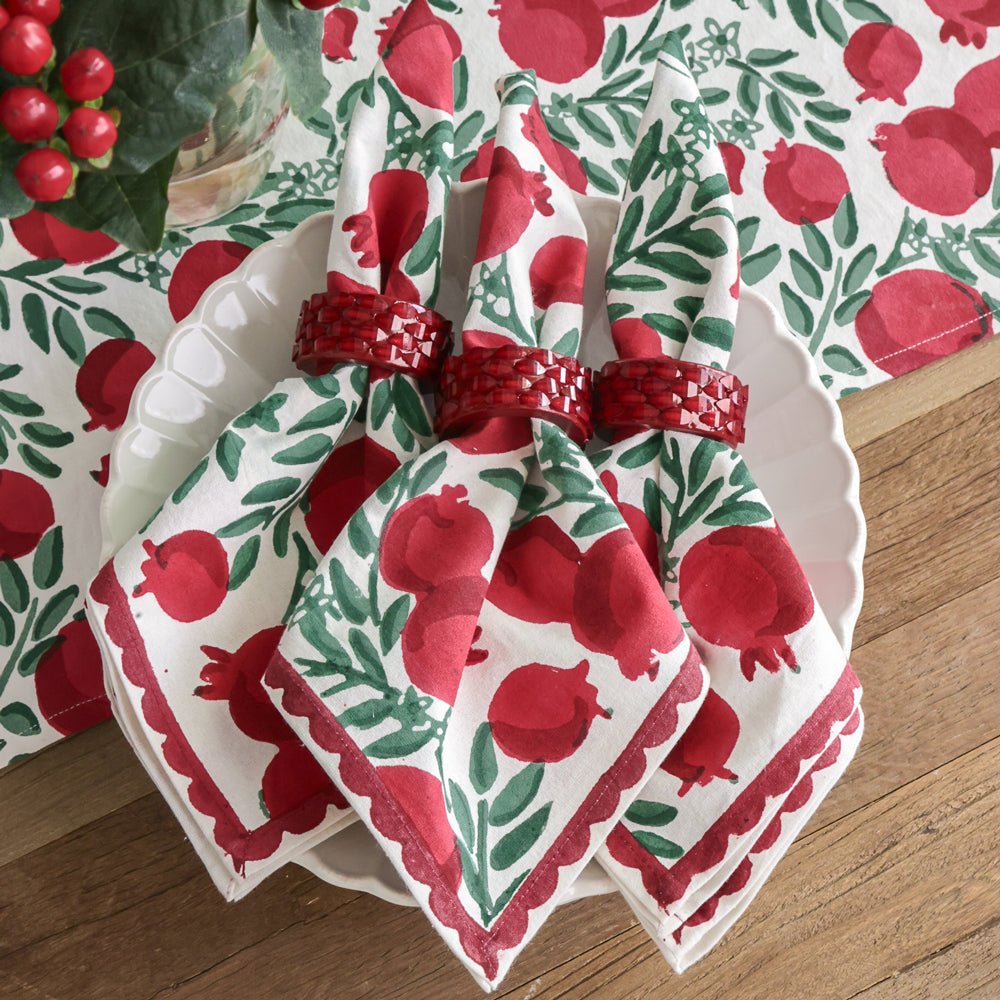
[190,610]
[504,672]
[757,759]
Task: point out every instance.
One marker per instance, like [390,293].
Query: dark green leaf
[483,760]
[798,83]
[360,534]
[513,846]
[663,208]
[315,632]
[381,403]
[427,475]
[367,715]
[614,51]
[393,621]
[634,282]
[592,124]
[859,269]
[37,462]
[273,489]
[714,331]
[568,343]
[599,518]
[401,743]
[709,189]
[642,454]
[36,321]
[678,265]
[326,416]
[54,611]
[505,479]
[309,450]
[769,57]
[657,845]
[425,251]
[645,156]
[747,230]
[865,11]
[8,630]
[759,265]
[47,562]
[701,461]
[827,111]
[569,482]
[738,512]
[667,326]
[107,323]
[840,359]
[805,274]
[192,480]
[367,655]
[244,562]
[28,664]
[817,246]
[517,794]
[831,21]
[410,406]
[20,720]
[798,314]
[777,108]
[75,286]
[352,603]
[748,93]
[845,222]
[645,813]
[628,224]
[850,307]
[599,177]
[246,523]
[462,813]
[47,435]
[228,450]
[822,134]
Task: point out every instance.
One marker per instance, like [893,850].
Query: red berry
[86,75]
[28,114]
[89,132]
[46,11]
[44,174]
[25,46]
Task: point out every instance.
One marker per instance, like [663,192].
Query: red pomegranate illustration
[637,522]
[434,538]
[100,475]
[200,266]
[937,160]
[976,99]
[527,28]
[69,680]
[916,316]
[619,608]
[563,161]
[418,49]
[966,20]
[542,714]
[107,378]
[236,679]
[339,26]
[536,573]
[420,797]
[556,271]
[742,587]
[513,195]
[635,338]
[292,778]
[347,478]
[803,183]
[884,59]
[734,160]
[43,235]
[25,514]
[385,232]
[439,636]
[187,574]
[700,755]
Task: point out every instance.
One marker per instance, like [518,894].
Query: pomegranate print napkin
[190,610]
[494,680]
[781,718]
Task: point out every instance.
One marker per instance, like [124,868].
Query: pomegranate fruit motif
[513,195]
[884,59]
[418,56]
[701,753]
[743,588]
[25,514]
[916,316]
[107,378]
[292,778]
[69,681]
[734,160]
[937,160]
[188,574]
[966,20]
[420,797]
[542,714]
[345,481]
[635,338]
[338,33]
[385,232]
[557,270]
[435,547]
[200,266]
[642,531]
[803,183]
[976,99]
[44,236]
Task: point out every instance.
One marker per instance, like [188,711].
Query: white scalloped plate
[237,343]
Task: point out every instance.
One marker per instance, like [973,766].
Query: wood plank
[852,903]
[883,408]
[969,969]
[930,492]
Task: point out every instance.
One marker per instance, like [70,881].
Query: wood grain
[892,893]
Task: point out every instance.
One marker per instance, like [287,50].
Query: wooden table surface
[893,891]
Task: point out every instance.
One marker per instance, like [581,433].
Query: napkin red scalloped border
[231,834]
[358,774]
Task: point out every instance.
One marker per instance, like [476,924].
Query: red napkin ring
[673,395]
[512,381]
[372,330]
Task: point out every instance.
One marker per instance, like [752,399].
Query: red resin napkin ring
[372,330]
[512,381]
[672,395]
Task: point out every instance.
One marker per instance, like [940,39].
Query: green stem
[824,321]
[649,32]
[635,102]
[485,901]
[22,639]
[44,289]
[747,68]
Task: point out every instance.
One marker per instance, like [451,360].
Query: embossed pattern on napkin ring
[510,381]
[672,395]
[372,330]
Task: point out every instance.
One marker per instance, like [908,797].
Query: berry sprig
[33,111]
